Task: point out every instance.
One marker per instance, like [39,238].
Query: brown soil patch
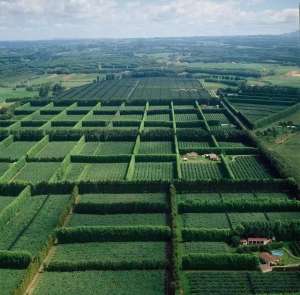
[294,74]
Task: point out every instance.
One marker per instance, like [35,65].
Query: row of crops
[258,110]
[135,212]
[146,168]
[232,282]
[139,89]
[135,117]
[123,236]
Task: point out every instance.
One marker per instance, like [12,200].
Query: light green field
[67,81]
[287,145]
[9,92]
[272,73]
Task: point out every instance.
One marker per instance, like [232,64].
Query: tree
[57,89]
[44,91]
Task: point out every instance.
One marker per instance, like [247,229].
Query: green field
[201,171]
[117,219]
[36,172]
[205,220]
[16,149]
[126,162]
[110,252]
[205,247]
[109,282]
[152,171]
[56,149]
[286,144]
[10,279]
[238,283]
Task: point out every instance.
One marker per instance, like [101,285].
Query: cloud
[121,18]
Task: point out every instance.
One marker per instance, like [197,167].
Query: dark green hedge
[120,207]
[213,235]
[140,264]
[220,262]
[281,230]
[14,259]
[239,206]
[112,233]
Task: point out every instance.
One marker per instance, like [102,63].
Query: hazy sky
[49,19]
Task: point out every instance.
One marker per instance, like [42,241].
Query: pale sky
[51,19]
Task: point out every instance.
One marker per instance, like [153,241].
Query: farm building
[212,157]
[269,259]
[255,241]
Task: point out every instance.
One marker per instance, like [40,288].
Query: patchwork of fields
[256,110]
[139,197]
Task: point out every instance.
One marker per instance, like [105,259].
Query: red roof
[267,257]
[258,239]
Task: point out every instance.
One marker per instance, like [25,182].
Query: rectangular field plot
[217,283]
[205,220]
[284,216]
[249,167]
[42,117]
[193,144]
[200,197]
[103,282]
[100,117]
[229,197]
[272,196]
[158,117]
[107,148]
[186,117]
[131,108]
[158,108]
[184,106]
[56,149]
[11,233]
[239,218]
[16,149]
[10,279]
[194,171]
[117,219]
[35,172]
[36,233]
[156,147]
[220,117]
[105,171]
[74,171]
[111,252]
[69,117]
[107,198]
[231,144]
[129,117]
[152,171]
[205,247]
[275,282]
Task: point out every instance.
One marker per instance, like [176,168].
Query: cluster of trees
[46,89]
[273,205]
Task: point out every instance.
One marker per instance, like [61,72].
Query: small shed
[269,259]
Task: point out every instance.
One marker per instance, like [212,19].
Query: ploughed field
[141,192]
